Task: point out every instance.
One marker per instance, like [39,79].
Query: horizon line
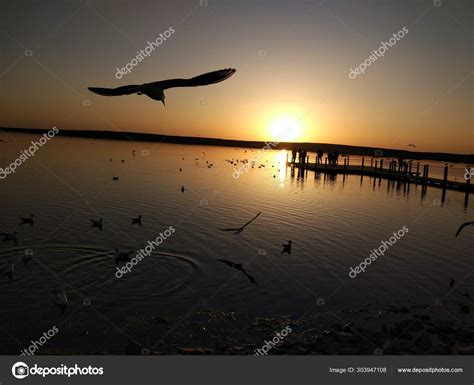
[122,135]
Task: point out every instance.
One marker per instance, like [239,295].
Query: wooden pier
[406,172]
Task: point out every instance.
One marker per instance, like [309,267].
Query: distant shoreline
[326,147]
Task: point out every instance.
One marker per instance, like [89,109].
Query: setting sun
[285,129]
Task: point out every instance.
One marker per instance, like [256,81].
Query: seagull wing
[124,90]
[250,278]
[255,217]
[229,229]
[201,80]
[463,226]
[228,263]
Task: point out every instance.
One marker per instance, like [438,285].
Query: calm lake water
[333,224]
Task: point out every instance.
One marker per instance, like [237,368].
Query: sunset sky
[292,58]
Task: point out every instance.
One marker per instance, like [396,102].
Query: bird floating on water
[463,226]
[26,220]
[155,90]
[239,267]
[286,248]
[137,220]
[60,299]
[182,189]
[96,223]
[240,229]
[122,256]
[411,145]
[115,178]
[27,256]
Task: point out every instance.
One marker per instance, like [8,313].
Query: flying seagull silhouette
[238,230]
[463,226]
[9,237]
[155,90]
[239,267]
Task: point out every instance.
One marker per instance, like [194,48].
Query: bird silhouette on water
[115,178]
[452,284]
[240,229]
[137,220]
[122,256]
[411,145]
[26,220]
[239,267]
[182,189]
[27,256]
[9,237]
[286,248]
[155,90]
[60,299]
[96,223]
[463,226]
